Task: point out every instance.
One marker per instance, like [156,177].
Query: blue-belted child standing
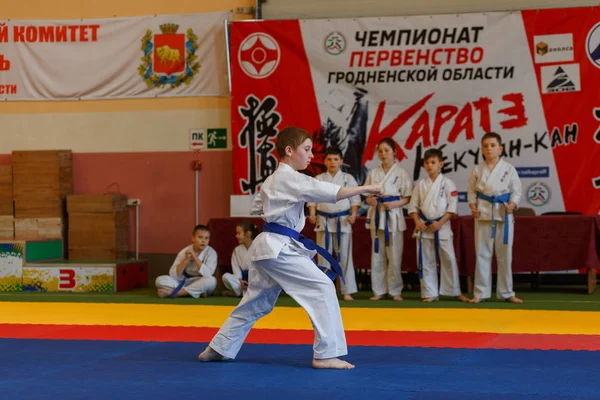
[433,202]
[494,191]
[333,222]
[386,222]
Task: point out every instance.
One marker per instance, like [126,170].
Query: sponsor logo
[259,55]
[462,197]
[561,78]
[533,172]
[592,45]
[541,48]
[553,48]
[170,57]
[538,194]
[335,43]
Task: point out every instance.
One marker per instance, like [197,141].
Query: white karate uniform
[503,179]
[240,258]
[280,262]
[345,248]
[434,199]
[386,264]
[201,280]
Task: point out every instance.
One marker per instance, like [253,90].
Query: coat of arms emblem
[170,57]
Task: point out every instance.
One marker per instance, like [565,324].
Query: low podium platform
[14,254]
[37,265]
[88,276]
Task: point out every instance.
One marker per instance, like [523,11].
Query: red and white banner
[428,81]
[153,56]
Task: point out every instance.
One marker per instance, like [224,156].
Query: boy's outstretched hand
[346,192]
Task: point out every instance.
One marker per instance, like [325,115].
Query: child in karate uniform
[333,222]
[281,259]
[433,202]
[386,222]
[237,282]
[494,191]
[192,272]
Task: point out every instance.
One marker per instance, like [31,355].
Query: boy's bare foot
[210,355]
[376,298]
[228,293]
[397,298]
[463,298]
[348,297]
[514,299]
[331,363]
[163,292]
[430,299]
[475,300]
[204,295]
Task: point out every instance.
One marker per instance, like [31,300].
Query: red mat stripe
[465,340]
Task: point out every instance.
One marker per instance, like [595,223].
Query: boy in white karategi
[433,202]
[494,191]
[192,272]
[333,222]
[281,259]
[237,282]
[386,222]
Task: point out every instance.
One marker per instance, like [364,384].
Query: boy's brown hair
[290,136]
[333,151]
[492,135]
[200,228]
[433,153]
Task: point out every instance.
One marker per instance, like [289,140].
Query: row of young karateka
[494,190]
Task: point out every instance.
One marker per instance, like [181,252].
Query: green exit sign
[216,138]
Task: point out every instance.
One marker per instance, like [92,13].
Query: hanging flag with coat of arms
[111,58]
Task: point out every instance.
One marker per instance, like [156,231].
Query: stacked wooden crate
[7,220]
[98,227]
[41,182]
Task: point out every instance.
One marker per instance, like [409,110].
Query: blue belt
[310,245]
[503,198]
[339,228]
[180,286]
[436,240]
[381,200]
[245,275]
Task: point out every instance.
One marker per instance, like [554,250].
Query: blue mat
[65,369]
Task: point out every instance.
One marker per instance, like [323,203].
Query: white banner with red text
[152,56]
[427,81]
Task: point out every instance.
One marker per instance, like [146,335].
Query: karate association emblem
[538,194]
[170,57]
[259,55]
